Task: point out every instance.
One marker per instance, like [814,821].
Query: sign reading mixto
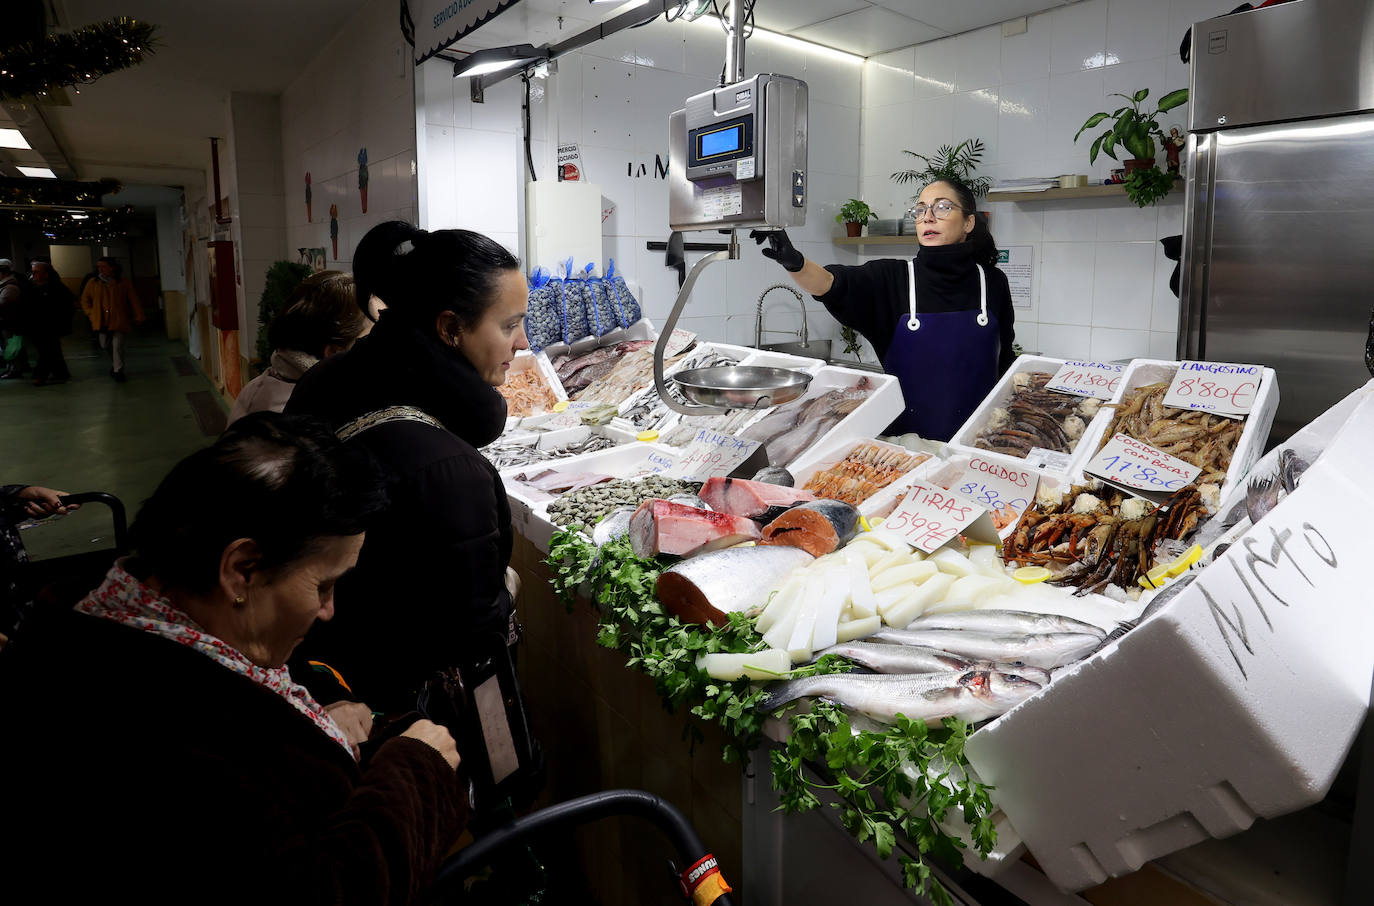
[439,23]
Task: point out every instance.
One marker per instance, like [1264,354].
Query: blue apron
[945,362]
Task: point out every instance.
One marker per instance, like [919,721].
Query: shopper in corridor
[113,308]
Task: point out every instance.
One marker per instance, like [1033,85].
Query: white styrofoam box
[871,416]
[1238,700]
[525,360]
[767,358]
[1252,439]
[545,440]
[835,448]
[737,352]
[529,510]
[963,439]
[643,329]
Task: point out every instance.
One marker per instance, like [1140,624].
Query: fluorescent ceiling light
[495,59]
[77,215]
[12,138]
[41,172]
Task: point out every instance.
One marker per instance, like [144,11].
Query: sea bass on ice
[889,658]
[972,695]
[1048,650]
[1004,622]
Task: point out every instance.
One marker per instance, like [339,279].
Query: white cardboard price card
[1219,387]
[1043,460]
[1096,379]
[568,416]
[710,454]
[1004,490]
[1128,462]
[678,341]
[660,462]
[929,517]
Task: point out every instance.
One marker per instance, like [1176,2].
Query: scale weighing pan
[742,386]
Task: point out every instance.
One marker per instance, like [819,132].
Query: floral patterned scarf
[123,599]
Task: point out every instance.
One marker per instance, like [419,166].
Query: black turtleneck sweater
[872,297]
[430,577]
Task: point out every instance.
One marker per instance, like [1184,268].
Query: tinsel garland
[24,190]
[74,58]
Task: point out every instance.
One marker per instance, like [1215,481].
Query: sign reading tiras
[1219,387]
[929,517]
[439,23]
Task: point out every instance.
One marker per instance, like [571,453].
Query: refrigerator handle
[1200,176]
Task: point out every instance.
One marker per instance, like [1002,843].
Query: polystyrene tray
[871,416]
[828,453]
[524,361]
[643,329]
[1252,439]
[963,440]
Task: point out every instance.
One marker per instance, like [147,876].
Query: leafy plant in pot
[854,214]
[949,162]
[1135,131]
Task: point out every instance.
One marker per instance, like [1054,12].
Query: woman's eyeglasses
[942,209]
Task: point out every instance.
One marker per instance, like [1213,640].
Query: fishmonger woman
[941,323]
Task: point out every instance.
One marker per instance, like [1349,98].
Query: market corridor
[92,434]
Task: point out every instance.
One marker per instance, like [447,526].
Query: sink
[812,349]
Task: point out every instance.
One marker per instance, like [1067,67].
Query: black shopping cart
[64,580]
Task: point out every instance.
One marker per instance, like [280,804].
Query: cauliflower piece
[999,418]
[1211,495]
[1134,508]
[1047,497]
[1088,406]
[1073,427]
[1021,381]
[1086,503]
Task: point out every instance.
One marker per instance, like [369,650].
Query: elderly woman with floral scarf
[156,748]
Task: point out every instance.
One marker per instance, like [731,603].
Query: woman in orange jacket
[113,307]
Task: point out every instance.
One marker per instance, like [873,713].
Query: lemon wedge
[1183,563]
[863,521]
[647,436]
[1029,575]
[1155,578]
[561,405]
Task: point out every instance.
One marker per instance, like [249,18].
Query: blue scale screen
[724,141]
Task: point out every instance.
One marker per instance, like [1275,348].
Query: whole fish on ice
[705,589]
[1004,622]
[972,695]
[889,658]
[1048,650]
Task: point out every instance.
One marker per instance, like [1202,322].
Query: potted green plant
[854,214]
[282,279]
[949,162]
[1135,131]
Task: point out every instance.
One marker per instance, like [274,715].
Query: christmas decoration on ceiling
[75,58]
[74,225]
[19,191]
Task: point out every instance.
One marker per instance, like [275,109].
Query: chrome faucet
[758,316]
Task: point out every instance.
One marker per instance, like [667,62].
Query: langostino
[1092,538]
[1035,417]
[863,472]
[1198,438]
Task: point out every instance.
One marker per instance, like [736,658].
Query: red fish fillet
[660,527]
[751,499]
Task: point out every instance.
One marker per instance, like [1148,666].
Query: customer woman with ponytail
[941,323]
[430,591]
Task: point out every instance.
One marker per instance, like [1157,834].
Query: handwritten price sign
[1005,491]
[566,415]
[1128,462]
[1218,387]
[1096,379]
[659,462]
[929,517]
[711,453]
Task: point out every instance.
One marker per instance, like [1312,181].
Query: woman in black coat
[419,393]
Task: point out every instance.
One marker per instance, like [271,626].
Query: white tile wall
[1102,280]
[613,99]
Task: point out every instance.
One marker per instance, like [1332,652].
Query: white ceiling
[152,123]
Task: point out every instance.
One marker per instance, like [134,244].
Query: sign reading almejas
[439,23]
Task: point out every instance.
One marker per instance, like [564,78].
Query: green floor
[92,434]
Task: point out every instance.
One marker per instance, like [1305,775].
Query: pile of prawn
[1199,438]
[527,391]
[866,470]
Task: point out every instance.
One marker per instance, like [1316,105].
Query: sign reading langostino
[1218,387]
[1126,461]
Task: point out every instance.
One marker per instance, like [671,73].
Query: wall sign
[1018,263]
[439,23]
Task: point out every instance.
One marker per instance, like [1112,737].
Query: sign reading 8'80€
[1218,387]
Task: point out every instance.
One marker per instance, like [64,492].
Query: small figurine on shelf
[1172,146]
[334,229]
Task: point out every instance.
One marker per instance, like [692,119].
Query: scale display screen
[722,141]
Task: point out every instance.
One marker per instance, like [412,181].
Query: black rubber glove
[780,249]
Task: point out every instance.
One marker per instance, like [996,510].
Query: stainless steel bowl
[741,387]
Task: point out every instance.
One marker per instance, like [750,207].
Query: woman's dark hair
[283,480]
[118,268]
[985,247]
[320,313]
[419,274]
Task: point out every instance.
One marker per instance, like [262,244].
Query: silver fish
[1047,650]
[898,658]
[615,524]
[689,500]
[1005,622]
[971,695]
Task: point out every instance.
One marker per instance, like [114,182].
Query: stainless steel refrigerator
[1278,241]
